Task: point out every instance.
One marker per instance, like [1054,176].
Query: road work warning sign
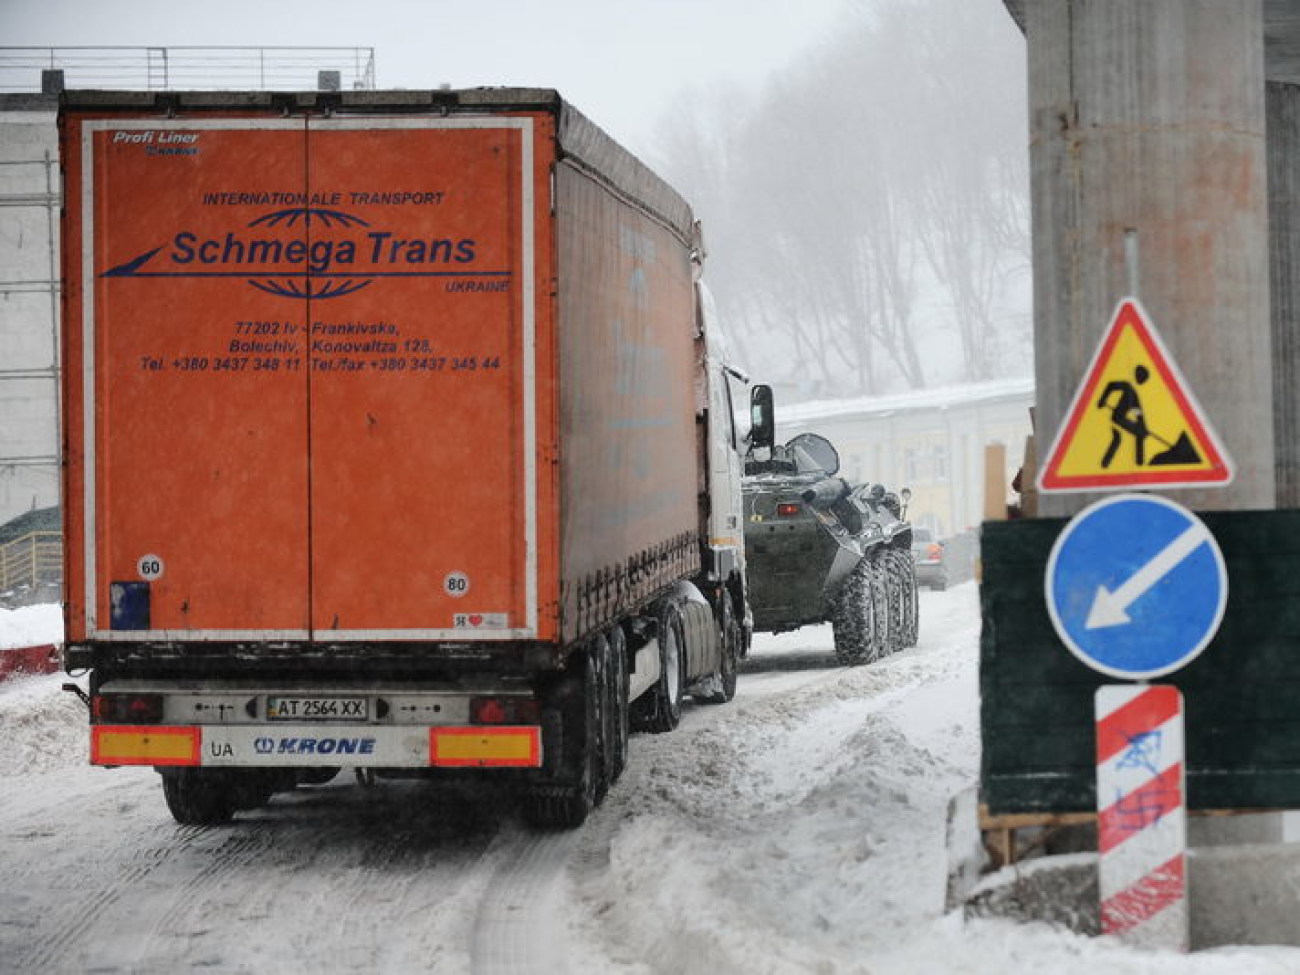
[1134,421]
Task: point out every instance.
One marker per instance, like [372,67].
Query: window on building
[941,462]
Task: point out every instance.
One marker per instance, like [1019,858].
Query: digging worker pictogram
[1126,416]
[1133,394]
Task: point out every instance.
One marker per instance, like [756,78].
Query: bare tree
[869,200]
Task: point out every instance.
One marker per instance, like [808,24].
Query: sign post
[1142,815]
[1136,588]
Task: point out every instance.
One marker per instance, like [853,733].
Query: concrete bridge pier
[1283,106]
[1147,124]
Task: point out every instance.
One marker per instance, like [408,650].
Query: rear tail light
[788,509]
[127,708]
[504,710]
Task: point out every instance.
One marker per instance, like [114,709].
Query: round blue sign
[1136,586]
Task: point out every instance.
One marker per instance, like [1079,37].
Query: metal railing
[187,68]
[35,559]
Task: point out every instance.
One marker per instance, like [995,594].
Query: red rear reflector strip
[785,510]
[483,747]
[144,745]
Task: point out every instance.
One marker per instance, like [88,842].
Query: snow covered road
[800,829]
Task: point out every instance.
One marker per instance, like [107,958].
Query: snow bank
[803,829]
[31,626]
[42,727]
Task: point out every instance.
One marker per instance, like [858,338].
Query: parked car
[928,554]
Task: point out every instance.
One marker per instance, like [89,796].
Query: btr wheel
[853,618]
[911,601]
[883,643]
[902,598]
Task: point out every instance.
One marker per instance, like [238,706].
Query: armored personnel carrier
[819,549]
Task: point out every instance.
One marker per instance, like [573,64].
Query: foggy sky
[624,63]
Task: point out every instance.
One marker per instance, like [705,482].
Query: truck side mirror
[762,418]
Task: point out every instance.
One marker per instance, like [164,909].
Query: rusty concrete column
[1283,103]
[1148,118]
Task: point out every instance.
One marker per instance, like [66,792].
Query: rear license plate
[317,709]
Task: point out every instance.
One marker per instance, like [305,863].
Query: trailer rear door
[307,378]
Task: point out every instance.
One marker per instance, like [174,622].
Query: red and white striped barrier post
[1142,814]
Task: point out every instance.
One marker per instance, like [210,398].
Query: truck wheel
[603,660]
[195,797]
[853,619]
[567,803]
[619,676]
[660,708]
[731,639]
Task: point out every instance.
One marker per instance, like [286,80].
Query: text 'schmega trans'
[394,438]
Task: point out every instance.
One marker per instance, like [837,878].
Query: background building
[30,82]
[933,441]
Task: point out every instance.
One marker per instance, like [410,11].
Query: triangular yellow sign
[1134,421]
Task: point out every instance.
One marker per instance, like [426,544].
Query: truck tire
[853,618]
[660,708]
[566,803]
[602,658]
[196,797]
[622,722]
[724,682]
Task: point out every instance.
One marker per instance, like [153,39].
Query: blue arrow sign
[1136,586]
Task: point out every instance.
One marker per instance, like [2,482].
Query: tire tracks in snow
[519,929]
[91,921]
[347,880]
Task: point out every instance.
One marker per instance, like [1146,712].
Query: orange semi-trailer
[394,438]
